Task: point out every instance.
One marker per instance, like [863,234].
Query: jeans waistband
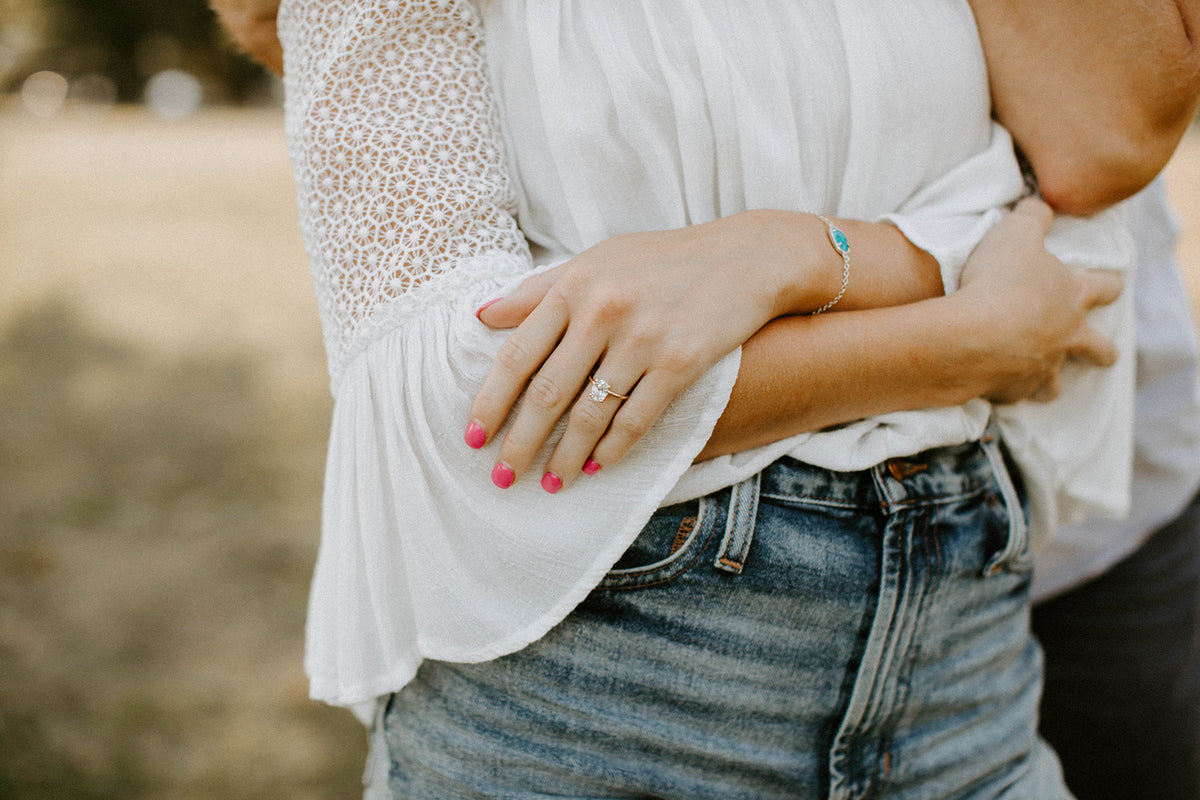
[937,475]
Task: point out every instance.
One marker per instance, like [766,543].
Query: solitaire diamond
[599,390]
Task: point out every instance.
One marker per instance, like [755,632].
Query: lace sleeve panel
[398,158]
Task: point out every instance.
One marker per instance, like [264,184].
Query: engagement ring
[600,390]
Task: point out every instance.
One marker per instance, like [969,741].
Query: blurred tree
[21,27]
[128,41]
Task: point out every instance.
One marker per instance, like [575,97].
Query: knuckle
[678,358]
[513,355]
[543,393]
[557,298]
[589,417]
[630,425]
[575,281]
[648,333]
[613,303]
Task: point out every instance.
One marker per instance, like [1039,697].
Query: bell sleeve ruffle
[421,555]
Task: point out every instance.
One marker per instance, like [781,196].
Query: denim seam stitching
[935,500]
[666,578]
[702,516]
[809,500]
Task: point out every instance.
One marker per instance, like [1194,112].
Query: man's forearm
[1096,94]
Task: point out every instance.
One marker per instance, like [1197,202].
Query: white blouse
[413,152]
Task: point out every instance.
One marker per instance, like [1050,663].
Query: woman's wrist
[804,271]
[790,259]
[885,269]
[818,268]
[793,268]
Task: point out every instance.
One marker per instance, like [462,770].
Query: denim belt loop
[1018,531]
[739,525]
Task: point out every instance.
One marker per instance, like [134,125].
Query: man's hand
[1033,309]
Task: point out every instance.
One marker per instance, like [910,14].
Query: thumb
[511,311]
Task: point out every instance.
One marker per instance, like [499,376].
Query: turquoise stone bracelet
[841,244]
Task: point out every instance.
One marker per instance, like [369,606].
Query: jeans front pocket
[670,543]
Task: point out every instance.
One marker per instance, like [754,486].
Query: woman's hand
[646,312]
[1033,308]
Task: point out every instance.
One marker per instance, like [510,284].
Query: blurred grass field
[163,411]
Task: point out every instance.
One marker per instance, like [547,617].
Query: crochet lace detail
[398,160]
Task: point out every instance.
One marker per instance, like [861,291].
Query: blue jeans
[804,634]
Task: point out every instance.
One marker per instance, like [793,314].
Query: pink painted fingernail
[476,436]
[591,467]
[502,475]
[551,482]
[480,310]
